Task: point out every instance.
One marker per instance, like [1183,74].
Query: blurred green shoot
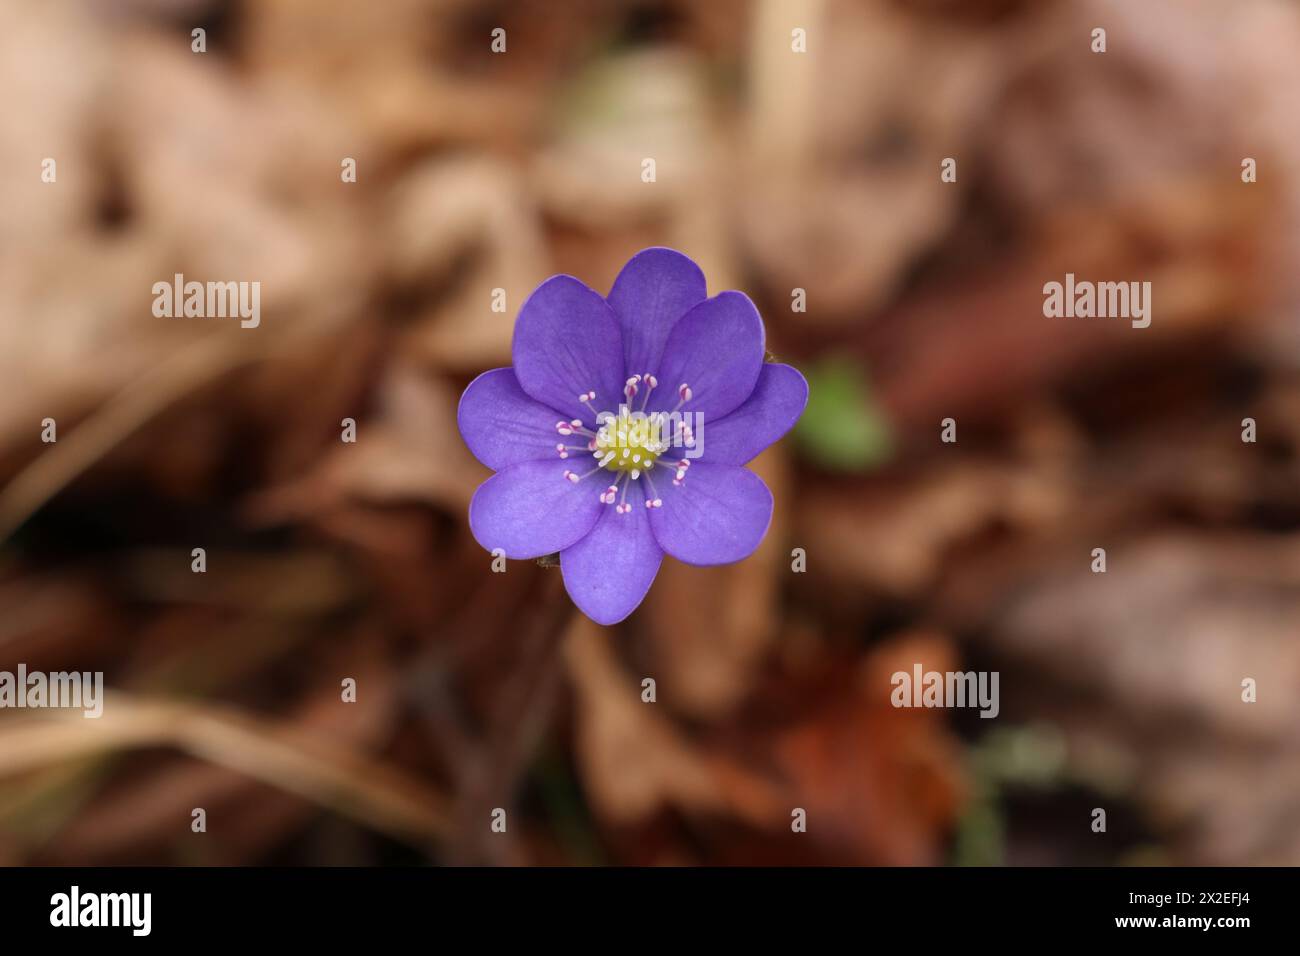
[1032,757]
[842,428]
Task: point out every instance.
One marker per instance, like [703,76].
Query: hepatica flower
[623,430]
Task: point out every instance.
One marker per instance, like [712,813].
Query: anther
[650,382]
[574,477]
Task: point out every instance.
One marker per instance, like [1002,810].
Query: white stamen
[652,494]
[650,383]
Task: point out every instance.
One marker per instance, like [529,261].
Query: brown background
[776,170]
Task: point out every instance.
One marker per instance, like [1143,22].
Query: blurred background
[776,171]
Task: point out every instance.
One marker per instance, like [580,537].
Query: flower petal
[719,514]
[609,571]
[530,509]
[777,402]
[656,288]
[717,349]
[567,342]
[503,426]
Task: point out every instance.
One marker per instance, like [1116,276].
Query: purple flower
[622,430]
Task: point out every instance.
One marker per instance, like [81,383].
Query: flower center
[630,441]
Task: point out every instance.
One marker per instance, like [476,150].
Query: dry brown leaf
[469,227]
[410,451]
[299,761]
[881,785]
[894,536]
[634,761]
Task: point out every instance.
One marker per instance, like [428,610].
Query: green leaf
[842,428]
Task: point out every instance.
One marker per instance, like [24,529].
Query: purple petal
[656,288]
[609,571]
[567,342]
[777,402]
[716,349]
[530,509]
[718,515]
[503,426]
